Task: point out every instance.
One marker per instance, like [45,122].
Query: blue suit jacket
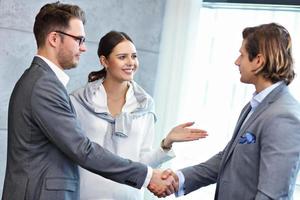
[264,168]
[46,142]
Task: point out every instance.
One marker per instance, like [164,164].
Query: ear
[259,61]
[103,61]
[53,39]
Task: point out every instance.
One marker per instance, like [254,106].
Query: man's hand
[162,187]
[169,173]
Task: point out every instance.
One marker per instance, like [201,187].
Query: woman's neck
[116,95]
[115,89]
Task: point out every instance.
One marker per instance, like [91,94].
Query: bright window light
[215,96]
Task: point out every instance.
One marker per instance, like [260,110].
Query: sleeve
[203,174]
[279,156]
[148,155]
[54,114]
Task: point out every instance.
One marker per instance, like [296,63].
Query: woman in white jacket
[118,114]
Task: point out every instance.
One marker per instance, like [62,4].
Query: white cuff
[181,180]
[148,177]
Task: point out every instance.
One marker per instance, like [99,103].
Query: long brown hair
[273,41]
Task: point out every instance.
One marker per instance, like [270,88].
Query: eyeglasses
[79,39]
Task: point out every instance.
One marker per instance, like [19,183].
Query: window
[213,95]
[270,2]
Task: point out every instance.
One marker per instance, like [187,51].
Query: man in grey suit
[262,159]
[45,140]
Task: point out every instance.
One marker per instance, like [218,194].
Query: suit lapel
[241,119]
[237,130]
[231,144]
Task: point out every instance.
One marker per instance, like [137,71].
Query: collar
[61,75]
[259,97]
[98,98]
[138,103]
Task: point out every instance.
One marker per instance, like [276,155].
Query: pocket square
[248,138]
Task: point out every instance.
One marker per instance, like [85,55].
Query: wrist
[165,146]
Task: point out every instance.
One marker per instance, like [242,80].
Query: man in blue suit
[45,141]
[262,159]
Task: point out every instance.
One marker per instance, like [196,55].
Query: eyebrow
[122,54]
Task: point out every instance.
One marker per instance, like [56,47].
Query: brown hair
[55,16]
[106,45]
[273,41]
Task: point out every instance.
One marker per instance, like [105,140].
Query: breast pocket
[246,154]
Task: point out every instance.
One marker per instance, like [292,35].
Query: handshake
[163,183]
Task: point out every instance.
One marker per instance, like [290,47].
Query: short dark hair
[273,41]
[106,45]
[55,16]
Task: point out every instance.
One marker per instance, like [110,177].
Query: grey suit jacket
[46,142]
[265,168]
